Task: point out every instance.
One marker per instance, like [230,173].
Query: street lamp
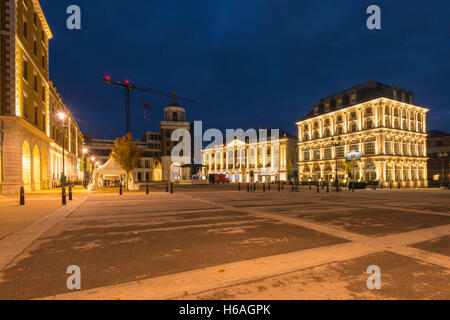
[63,116]
[335,143]
[85,167]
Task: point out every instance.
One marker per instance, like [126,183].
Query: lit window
[354,146]
[328,152]
[369,146]
[317,153]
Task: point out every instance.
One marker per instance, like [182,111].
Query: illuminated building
[30,132]
[272,159]
[381,122]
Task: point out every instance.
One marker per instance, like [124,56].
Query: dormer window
[316,110]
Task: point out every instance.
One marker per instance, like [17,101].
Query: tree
[349,168]
[127,154]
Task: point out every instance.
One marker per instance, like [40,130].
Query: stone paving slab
[439,245]
[401,278]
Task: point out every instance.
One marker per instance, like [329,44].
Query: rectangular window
[36,115]
[25,70]
[43,94]
[369,124]
[43,122]
[35,83]
[25,30]
[35,47]
[354,127]
[24,107]
[43,62]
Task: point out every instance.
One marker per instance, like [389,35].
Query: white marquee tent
[110,169]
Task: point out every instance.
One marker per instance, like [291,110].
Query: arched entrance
[26,166]
[44,167]
[36,168]
[175,172]
[157,171]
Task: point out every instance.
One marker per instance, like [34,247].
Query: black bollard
[292,187]
[146,190]
[22,196]
[239,188]
[248,187]
[70,193]
[282,186]
[254,186]
[279,187]
[64,196]
[318,188]
[167,187]
[310,186]
[171,188]
[353,187]
[328,187]
[399,186]
[390,185]
[264,187]
[120,189]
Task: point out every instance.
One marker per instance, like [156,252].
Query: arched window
[316,135]
[354,145]
[306,154]
[388,145]
[420,149]
[396,150]
[340,150]
[317,153]
[328,152]
[339,130]
[405,148]
[369,146]
[327,132]
[174,116]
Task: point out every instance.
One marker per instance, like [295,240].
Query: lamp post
[335,143]
[85,166]
[63,117]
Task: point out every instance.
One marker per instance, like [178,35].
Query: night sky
[249,63]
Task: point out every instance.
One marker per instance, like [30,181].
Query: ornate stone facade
[31,134]
[380,122]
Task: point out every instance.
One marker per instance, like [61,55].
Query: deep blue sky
[248,62]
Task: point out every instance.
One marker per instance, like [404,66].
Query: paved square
[216,242]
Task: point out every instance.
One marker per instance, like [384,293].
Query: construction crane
[130,87]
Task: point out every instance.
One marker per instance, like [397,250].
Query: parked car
[358,185]
[218,178]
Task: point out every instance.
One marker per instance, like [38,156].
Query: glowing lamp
[62,115]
